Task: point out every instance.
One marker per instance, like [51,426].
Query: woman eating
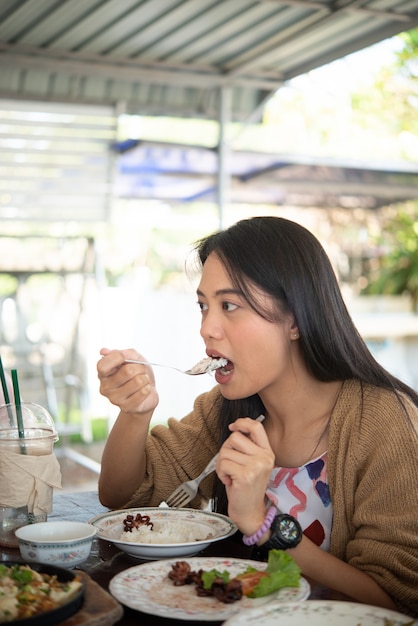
[331,473]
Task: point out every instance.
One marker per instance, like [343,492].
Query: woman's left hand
[244,466]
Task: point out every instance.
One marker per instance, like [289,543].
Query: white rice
[166,532]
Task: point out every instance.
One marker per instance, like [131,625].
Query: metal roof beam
[136,72]
[356,6]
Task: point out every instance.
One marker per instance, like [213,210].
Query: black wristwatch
[286,532]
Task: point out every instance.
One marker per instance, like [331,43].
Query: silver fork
[187,490]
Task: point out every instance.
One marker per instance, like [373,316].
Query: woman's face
[260,353]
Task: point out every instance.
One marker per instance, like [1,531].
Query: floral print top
[304,493]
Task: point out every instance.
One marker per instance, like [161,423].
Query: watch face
[288,529]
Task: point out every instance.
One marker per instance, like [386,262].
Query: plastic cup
[35,420]
[12,518]
[39,436]
[36,442]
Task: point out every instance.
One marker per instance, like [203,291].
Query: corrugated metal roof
[171,56]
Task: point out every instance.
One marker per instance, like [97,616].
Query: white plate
[320,613]
[211,526]
[147,588]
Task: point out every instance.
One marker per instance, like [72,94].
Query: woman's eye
[228,306]
[202,306]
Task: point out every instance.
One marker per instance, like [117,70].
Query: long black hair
[288,263]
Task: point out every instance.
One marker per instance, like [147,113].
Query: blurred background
[130,130]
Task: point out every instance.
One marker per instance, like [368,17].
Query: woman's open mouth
[225,371]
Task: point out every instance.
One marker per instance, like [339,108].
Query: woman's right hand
[244,466]
[129,386]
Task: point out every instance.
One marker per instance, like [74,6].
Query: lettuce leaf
[211,575]
[283,572]
[281,568]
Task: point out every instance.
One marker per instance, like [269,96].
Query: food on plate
[281,571]
[140,529]
[25,592]
[131,523]
[208,365]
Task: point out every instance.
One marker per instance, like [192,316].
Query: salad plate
[147,588]
[201,527]
[320,613]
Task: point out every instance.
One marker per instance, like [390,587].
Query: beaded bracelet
[268,520]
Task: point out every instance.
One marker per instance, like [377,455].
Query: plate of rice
[160,533]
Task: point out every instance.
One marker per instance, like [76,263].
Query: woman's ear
[294,331]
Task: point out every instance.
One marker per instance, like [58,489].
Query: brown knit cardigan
[372,474]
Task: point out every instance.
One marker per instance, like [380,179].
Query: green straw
[18,411]
[5,392]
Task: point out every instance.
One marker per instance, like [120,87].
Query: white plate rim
[313,612]
[119,587]
[230,526]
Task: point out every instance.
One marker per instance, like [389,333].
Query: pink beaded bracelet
[268,520]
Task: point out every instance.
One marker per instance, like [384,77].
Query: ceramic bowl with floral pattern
[60,543]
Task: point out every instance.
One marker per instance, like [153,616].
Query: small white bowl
[61,543]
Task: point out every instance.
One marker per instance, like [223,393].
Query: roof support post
[223,179]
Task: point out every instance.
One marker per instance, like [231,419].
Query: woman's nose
[210,327]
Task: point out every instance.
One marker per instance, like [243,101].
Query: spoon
[203,367]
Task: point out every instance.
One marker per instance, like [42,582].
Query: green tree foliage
[396,272]
[393,102]
[394,268]
[406,82]
[408,56]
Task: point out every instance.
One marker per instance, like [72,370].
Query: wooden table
[105,560]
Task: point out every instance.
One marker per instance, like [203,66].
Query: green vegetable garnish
[209,577]
[21,576]
[282,572]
